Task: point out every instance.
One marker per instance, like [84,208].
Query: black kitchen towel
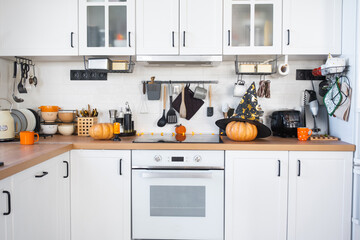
[192,104]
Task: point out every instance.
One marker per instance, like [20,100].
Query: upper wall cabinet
[179,27]
[252,27]
[107,27]
[312,27]
[38,27]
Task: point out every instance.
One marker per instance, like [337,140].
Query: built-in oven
[177,194]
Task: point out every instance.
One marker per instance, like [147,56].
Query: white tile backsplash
[55,88]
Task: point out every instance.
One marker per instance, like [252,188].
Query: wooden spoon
[182,105]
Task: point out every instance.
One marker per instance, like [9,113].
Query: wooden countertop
[18,157]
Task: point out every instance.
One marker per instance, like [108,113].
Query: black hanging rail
[184,81]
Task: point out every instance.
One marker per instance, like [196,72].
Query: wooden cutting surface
[18,157]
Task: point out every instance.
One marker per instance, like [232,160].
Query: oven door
[178,204]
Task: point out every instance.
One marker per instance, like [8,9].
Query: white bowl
[66,129]
[49,129]
[49,116]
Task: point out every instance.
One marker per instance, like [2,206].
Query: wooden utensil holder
[84,125]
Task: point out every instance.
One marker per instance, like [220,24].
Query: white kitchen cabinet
[41,201]
[252,27]
[38,28]
[5,209]
[106,27]
[100,194]
[256,195]
[320,195]
[179,27]
[312,27]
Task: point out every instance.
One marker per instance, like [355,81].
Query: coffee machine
[315,115]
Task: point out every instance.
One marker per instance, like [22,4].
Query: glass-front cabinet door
[107,27]
[252,27]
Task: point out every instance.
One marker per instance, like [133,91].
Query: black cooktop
[169,138]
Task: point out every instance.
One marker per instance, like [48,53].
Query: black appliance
[285,123]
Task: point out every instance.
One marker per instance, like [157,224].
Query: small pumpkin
[102,131]
[180,129]
[180,137]
[241,131]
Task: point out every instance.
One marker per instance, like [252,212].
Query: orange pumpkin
[180,137]
[180,129]
[102,131]
[241,131]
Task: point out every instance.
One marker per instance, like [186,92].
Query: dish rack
[267,67]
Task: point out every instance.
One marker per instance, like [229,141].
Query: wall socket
[87,75]
[306,74]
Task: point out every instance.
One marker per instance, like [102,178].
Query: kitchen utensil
[225,109]
[16,99]
[49,116]
[303,133]
[17,123]
[49,108]
[239,88]
[153,90]
[162,120]
[183,105]
[143,105]
[210,109]
[28,137]
[113,115]
[31,120]
[37,117]
[66,129]
[171,117]
[33,78]
[49,128]
[200,92]
[66,116]
[192,104]
[176,89]
[7,129]
[24,72]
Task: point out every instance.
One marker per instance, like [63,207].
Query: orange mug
[303,133]
[28,137]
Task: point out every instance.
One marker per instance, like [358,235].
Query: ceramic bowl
[66,116]
[49,128]
[66,129]
[49,108]
[49,116]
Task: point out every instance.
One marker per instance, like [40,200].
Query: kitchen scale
[169,138]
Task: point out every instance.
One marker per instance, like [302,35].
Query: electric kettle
[7,126]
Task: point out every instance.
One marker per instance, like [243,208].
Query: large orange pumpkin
[102,131]
[241,131]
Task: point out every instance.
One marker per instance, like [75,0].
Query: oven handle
[177,175]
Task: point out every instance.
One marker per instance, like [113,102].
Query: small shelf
[130,68]
[256,68]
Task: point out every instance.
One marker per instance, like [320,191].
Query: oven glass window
[177,201]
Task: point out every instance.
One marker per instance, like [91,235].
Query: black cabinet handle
[288,32]
[184,39]
[279,168]
[72,39]
[173,38]
[299,168]
[129,39]
[67,169]
[9,203]
[42,175]
[120,166]
[228,37]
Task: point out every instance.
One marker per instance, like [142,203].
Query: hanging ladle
[16,99]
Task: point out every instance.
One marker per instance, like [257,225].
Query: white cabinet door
[312,26]
[252,27]
[5,209]
[256,195]
[100,195]
[201,27]
[157,30]
[320,195]
[107,27]
[34,202]
[38,27]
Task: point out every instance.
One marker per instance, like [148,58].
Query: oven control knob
[197,158]
[157,158]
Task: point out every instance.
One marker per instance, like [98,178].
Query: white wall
[55,88]
[4,80]
[346,130]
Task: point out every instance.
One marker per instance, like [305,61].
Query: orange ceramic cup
[303,133]
[28,137]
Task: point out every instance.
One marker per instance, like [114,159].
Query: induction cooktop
[169,138]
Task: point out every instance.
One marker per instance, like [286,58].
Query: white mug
[239,89]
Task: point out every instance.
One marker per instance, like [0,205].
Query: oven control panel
[188,158]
